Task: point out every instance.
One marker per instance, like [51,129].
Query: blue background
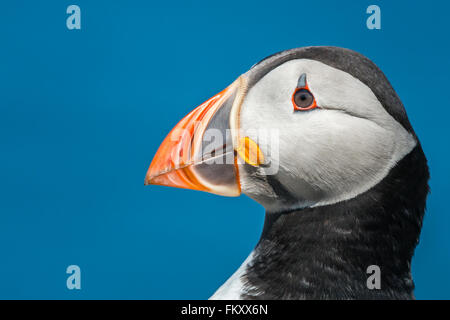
[82,113]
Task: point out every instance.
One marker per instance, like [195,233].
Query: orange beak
[198,153]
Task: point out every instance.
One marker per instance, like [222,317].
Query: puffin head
[302,128]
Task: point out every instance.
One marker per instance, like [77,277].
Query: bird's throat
[324,252]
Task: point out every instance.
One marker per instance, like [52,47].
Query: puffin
[318,137]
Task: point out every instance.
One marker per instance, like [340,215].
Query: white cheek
[330,154]
[336,154]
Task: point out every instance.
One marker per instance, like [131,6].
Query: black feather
[323,252]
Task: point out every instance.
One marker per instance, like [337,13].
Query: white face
[328,154]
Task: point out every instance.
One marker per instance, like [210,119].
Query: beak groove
[181,161]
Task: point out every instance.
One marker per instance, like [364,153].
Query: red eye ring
[304,91]
[302,98]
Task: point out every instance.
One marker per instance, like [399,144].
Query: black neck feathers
[323,252]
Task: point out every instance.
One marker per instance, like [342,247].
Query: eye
[303,100]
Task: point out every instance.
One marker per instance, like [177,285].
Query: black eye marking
[302,81]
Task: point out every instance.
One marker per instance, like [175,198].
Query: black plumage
[323,252]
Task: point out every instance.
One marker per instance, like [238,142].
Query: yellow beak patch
[250,152]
